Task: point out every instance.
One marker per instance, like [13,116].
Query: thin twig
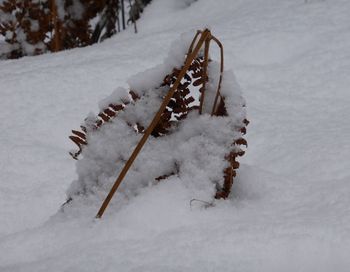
[207,204]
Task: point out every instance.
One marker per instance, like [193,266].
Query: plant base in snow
[186,89]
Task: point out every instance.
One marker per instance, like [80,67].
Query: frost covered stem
[205,35]
[204,76]
[221,72]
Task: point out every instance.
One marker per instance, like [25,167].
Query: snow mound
[193,153]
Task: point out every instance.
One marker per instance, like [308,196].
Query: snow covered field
[290,207]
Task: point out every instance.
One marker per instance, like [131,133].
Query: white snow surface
[290,206]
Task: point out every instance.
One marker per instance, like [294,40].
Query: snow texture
[290,207]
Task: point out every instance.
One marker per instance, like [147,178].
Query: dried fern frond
[184,92]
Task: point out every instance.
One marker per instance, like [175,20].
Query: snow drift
[289,209]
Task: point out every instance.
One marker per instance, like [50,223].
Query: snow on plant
[196,147]
[24,24]
[32,27]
